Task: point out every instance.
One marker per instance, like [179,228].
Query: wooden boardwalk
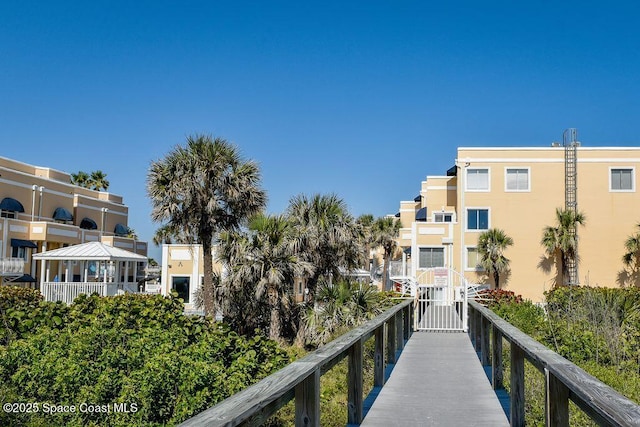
[438,381]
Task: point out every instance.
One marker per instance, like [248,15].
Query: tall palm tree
[491,246]
[326,234]
[272,263]
[385,234]
[98,181]
[364,227]
[560,242]
[202,189]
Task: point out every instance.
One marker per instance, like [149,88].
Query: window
[478,219]
[622,179]
[442,217]
[180,284]
[19,252]
[473,259]
[517,179]
[431,257]
[477,179]
[8,214]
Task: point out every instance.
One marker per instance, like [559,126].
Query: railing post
[497,374]
[308,401]
[355,384]
[391,339]
[412,320]
[399,331]
[517,386]
[484,341]
[378,357]
[557,401]
[472,323]
[477,318]
[406,316]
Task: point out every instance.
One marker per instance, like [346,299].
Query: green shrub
[598,329]
[130,349]
[23,311]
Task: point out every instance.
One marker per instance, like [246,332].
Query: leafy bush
[499,296]
[598,329]
[23,311]
[130,349]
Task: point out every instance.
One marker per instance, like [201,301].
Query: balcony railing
[11,266]
[398,269]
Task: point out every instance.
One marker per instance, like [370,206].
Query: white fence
[67,292]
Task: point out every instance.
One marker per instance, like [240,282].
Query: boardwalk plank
[437,381]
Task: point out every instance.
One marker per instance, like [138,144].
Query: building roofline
[581,148]
[32,165]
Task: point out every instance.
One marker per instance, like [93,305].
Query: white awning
[92,251]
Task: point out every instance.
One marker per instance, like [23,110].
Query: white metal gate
[441,301]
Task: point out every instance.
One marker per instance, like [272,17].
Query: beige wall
[611,216]
[183,262]
[41,190]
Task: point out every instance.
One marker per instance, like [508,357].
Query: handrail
[564,380]
[301,378]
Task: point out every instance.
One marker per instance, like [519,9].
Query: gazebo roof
[92,251]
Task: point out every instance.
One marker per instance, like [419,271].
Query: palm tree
[339,305]
[326,235]
[491,246]
[364,224]
[98,181]
[272,263]
[165,234]
[131,233]
[631,258]
[385,234]
[80,179]
[560,242]
[202,189]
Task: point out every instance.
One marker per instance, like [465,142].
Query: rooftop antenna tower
[570,143]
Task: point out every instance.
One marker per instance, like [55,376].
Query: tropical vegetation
[385,235]
[96,180]
[630,274]
[315,244]
[560,242]
[598,329]
[491,246]
[140,352]
[201,190]
[327,236]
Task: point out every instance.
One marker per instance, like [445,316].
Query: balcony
[11,266]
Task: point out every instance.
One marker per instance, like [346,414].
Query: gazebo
[87,268]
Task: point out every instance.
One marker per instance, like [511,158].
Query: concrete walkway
[438,381]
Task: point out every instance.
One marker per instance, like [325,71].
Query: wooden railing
[564,380]
[300,380]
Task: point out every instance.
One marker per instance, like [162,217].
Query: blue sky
[362,99]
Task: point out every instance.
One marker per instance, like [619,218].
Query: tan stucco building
[518,191]
[41,210]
